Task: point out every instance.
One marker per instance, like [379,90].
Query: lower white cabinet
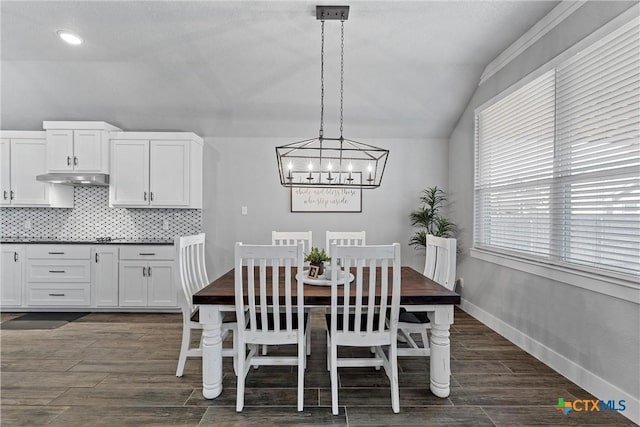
[69,276]
[147,284]
[146,277]
[105,276]
[58,276]
[11,275]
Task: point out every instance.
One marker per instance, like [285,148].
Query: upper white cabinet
[156,170]
[78,146]
[22,157]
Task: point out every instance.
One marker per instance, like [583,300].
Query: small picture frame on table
[313,271]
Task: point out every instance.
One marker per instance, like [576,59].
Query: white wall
[243,172]
[593,339]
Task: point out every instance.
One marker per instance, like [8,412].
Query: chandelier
[331,162]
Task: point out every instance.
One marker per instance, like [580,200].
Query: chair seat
[413,317]
[352,321]
[229,317]
[283,321]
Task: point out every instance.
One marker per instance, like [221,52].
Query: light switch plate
[244,210]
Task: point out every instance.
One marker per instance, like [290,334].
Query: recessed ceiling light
[69,37]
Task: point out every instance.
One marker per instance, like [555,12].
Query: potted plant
[317,257]
[428,218]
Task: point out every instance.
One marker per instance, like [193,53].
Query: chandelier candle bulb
[290,166]
[329,169]
[310,178]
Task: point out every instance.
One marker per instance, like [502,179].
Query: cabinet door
[105,276]
[161,291]
[129,184]
[28,159]
[169,183]
[132,279]
[5,172]
[87,150]
[59,150]
[11,276]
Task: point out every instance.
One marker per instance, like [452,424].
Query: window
[557,167]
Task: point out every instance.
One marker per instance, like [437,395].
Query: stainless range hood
[75,178]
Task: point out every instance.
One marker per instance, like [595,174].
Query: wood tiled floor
[119,370]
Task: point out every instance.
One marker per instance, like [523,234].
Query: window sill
[614,287]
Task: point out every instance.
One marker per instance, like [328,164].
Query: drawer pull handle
[151,196]
[68,160]
[75,161]
[147,253]
[149,271]
[15,257]
[56,295]
[144,272]
[96,257]
[5,194]
[56,253]
[57,271]
[12,195]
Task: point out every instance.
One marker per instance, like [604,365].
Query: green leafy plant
[317,256]
[428,218]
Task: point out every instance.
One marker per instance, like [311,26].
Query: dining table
[418,294]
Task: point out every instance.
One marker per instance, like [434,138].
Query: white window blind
[558,163]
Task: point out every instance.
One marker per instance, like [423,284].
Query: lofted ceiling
[252,69]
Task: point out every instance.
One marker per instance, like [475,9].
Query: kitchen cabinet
[105,276]
[11,275]
[22,157]
[146,277]
[102,277]
[156,170]
[78,146]
[58,275]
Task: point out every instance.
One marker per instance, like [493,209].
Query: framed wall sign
[326,199]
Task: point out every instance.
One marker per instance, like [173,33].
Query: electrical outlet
[165,224]
[244,210]
[27,224]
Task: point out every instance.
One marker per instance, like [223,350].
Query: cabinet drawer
[164,252]
[58,252]
[58,271]
[58,295]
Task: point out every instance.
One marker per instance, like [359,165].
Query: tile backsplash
[92,217]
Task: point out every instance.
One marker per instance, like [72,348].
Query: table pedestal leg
[211,320]
[440,371]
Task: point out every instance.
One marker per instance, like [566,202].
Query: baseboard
[567,368]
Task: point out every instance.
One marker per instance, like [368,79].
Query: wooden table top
[416,290]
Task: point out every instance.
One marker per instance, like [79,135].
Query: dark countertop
[56,241]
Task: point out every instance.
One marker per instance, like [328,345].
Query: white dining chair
[440,265]
[376,277]
[191,273]
[292,238]
[345,238]
[274,303]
